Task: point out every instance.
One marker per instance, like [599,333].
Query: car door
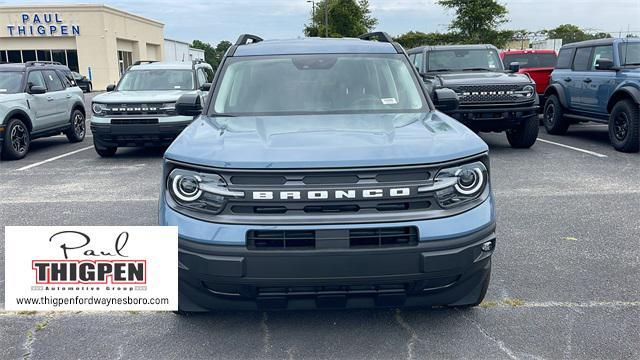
[57,97]
[562,72]
[42,107]
[580,69]
[598,85]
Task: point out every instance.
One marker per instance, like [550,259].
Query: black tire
[78,128]
[624,126]
[553,117]
[525,135]
[17,140]
[105,152]
[89,88]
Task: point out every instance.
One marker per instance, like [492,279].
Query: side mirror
[34,89]
[205,87]
[514,67]
[111,87]
[189,105]
[604,64]
[446,100]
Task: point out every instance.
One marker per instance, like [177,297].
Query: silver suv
[141,109]
[38,99]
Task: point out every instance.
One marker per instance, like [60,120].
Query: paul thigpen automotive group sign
[91,268]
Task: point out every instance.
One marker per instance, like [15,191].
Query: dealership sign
[46,24]
[91,268]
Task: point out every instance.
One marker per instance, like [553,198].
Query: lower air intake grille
[383,237]
[328,239]
[281,240]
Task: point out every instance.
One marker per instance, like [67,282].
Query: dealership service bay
[565,282]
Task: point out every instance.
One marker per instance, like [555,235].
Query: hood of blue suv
[140,96]
[323,141]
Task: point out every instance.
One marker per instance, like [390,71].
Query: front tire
[78,129]
[525,135]
[624,126]
[105,152]
[554,121]
[17,140]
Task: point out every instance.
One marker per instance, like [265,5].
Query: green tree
[414,39]
[570,33]
[346,18]
[212,55]
[476,21]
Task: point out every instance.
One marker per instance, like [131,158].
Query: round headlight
[528,90]
[470,181]
[186,187]
[98,108]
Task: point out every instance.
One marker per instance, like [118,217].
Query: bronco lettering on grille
[332,194]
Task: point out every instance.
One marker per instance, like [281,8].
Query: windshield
[10,82]
[307,84]
[462,59]
[630,53]
[531,60]
[157,79]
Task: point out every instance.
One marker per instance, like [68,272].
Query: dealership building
[95,40]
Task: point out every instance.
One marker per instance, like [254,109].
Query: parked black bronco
[491,98]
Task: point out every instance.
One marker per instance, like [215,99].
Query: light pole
[326,18]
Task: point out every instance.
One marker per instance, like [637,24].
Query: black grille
[488,93]
[134,121]
[328,239]
[302,183]
[135,109]
[280,240]
[383,237]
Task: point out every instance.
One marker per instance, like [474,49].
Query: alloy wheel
[19,138]
[621,126]
[550,114]
[79,125]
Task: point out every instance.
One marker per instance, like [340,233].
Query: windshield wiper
[476,69]
[632,64]
[438,70]
[222,115]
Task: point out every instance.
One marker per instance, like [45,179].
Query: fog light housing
[488,246]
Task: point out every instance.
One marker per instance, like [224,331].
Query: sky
[215,20]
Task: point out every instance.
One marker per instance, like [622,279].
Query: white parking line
[574,148]
[54,158]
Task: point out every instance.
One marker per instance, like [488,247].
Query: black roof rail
[243,39]
[140,62]
[378,35]
[382,36]
[41,63]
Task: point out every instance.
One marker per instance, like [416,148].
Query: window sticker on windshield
[177,87]
[389,101]
[3,90]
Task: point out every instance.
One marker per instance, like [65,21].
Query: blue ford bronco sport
[597,80]
[317,174]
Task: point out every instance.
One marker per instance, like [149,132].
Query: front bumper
[447,267]
[494,117]
[131,135]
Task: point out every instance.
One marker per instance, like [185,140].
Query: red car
[537,63]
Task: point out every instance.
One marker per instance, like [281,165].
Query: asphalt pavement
[565,281]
